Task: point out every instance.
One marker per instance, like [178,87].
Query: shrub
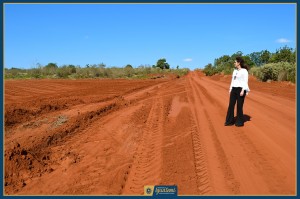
[255,71]
[228,71]
[129,71]
[108,73]
[209,70]
[182,72]
[281,71]
[268,73]
[63,72]
[282,76]
[35,73]
[291,71]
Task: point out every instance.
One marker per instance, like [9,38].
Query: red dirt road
[112,137]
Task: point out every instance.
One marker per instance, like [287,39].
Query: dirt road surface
[113,137]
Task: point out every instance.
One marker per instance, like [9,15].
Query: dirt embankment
[111,137]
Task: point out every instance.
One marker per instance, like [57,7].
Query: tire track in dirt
[199,156]
[201,168]
[205,125]
[148,157]
[180,150]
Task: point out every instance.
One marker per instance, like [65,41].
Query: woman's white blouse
[240,79]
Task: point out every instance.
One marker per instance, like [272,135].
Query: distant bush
[210,70]
[35,73]
[181,72]
[129,71]
[51,71]
[63,72]
[268,72]
[255,71]
[281,71]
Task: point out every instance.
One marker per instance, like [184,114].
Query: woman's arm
[244,82]
[230,88]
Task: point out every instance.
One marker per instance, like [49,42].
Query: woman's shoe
[239,125]
[228,124]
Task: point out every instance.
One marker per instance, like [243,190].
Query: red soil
[111,137]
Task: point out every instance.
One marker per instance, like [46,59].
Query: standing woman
[238,90]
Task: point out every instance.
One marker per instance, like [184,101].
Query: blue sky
[187,35]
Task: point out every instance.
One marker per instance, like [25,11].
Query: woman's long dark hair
[242,62]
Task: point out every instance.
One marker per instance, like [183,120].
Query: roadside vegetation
[264,65]
[52,71]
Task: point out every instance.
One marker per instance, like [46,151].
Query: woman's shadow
[247,118]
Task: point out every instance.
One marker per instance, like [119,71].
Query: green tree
[128,70]
[162,63]
[284,54]
[223,64]
[265,56]
[248,61]
[294,57]
[255,57]
[223,59]
[51,65]
[209,70]
[237,54]
[72,68]
[50,69]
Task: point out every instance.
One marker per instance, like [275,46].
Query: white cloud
[283,40]
[188,60]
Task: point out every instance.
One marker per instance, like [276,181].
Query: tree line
[52,70]
[278,66]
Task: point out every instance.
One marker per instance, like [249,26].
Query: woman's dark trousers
[235,97]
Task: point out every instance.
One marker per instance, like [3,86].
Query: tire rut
[232,184]
[201,168]
[148,158]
